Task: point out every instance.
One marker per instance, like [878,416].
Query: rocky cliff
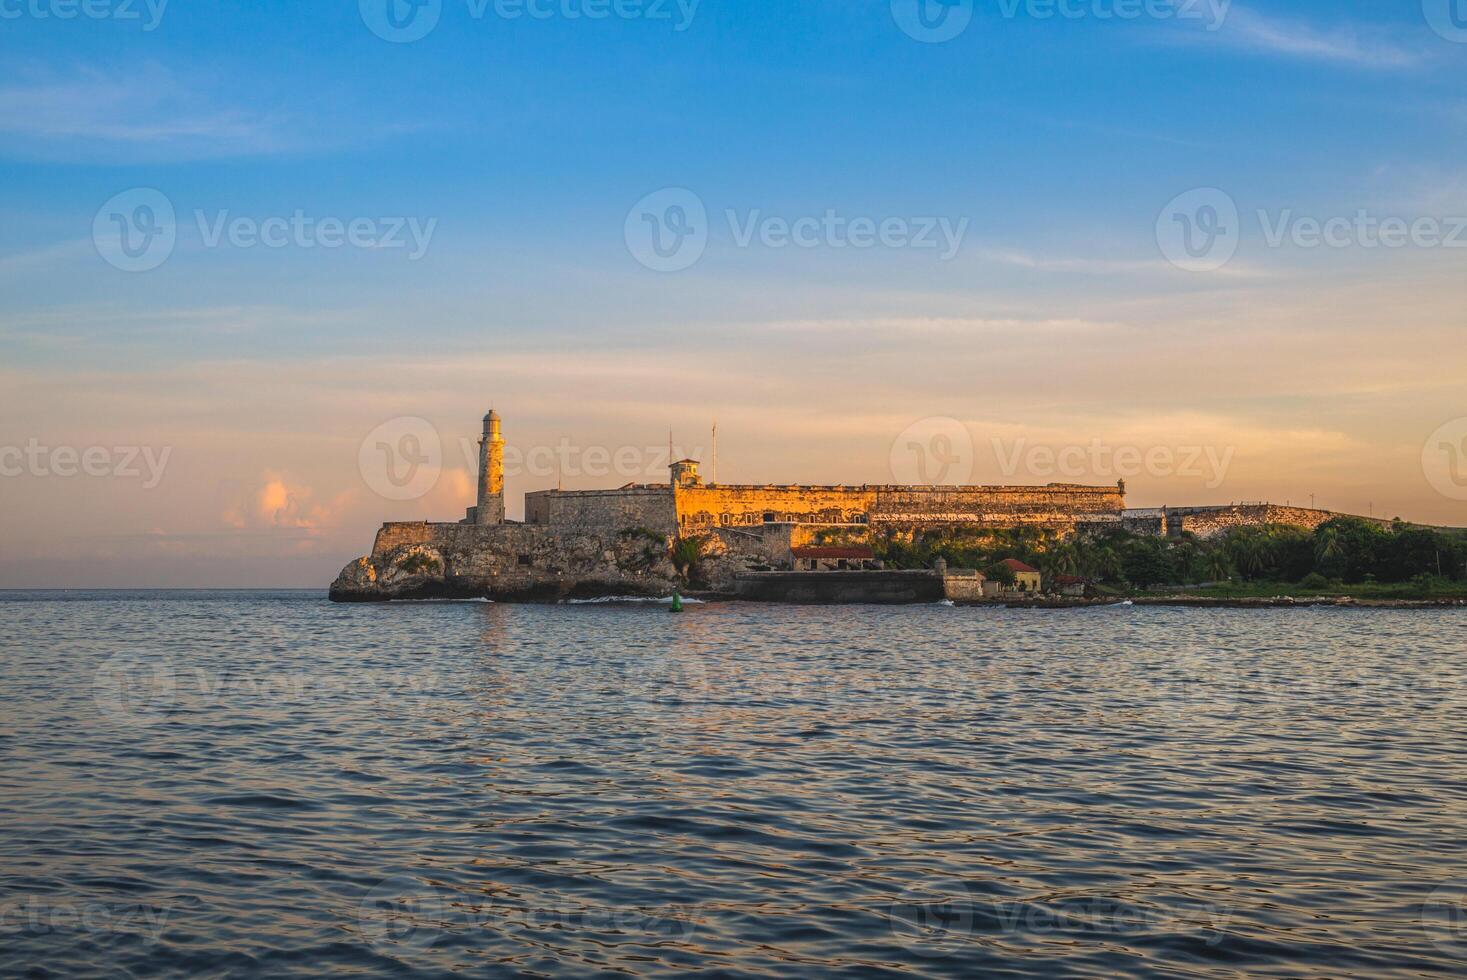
[507,562]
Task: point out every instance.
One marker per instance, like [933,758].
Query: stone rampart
[630,507]
[1207,522]
[1058,506]
[1145,521]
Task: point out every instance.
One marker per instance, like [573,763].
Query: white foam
[446,600]
[601,600]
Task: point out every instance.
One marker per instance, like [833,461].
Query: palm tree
[1107,563]
[1327,545]
[1252,554]
[687,558]
[1217,566]
[1063,559]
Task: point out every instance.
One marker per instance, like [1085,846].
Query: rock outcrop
[506,562]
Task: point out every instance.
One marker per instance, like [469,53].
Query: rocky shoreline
[1204,602]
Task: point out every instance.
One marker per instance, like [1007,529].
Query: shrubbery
[1344,550]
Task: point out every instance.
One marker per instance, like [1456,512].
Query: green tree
[1147,562]
[686,555]
[1001,573]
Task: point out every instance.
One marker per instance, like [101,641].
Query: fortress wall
[615,510]
[1051,506]
[704,507]
[1058,505]
[393,536]
[768,544]
[1207,522]
[1146,522]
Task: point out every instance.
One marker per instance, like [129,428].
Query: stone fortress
[585,543]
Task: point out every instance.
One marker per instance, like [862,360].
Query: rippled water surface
[236,784]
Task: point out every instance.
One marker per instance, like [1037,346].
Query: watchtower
[685,473]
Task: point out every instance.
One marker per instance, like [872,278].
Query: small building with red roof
[1027,580]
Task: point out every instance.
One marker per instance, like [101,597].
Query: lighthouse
[491,473]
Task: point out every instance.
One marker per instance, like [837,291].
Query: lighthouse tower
[491,473]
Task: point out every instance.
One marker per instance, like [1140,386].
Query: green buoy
[677,603]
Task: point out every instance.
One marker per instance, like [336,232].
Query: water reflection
[269,784]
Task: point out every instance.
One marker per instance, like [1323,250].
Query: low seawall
[834,588]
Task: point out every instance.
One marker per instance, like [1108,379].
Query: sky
[265,265]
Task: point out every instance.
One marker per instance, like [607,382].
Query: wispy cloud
[907,328]
[1349,44]
[141,109]
[1107,267]
[145,112]
[44,259]
[97,329]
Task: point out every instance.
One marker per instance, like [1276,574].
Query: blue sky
[1057,142]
